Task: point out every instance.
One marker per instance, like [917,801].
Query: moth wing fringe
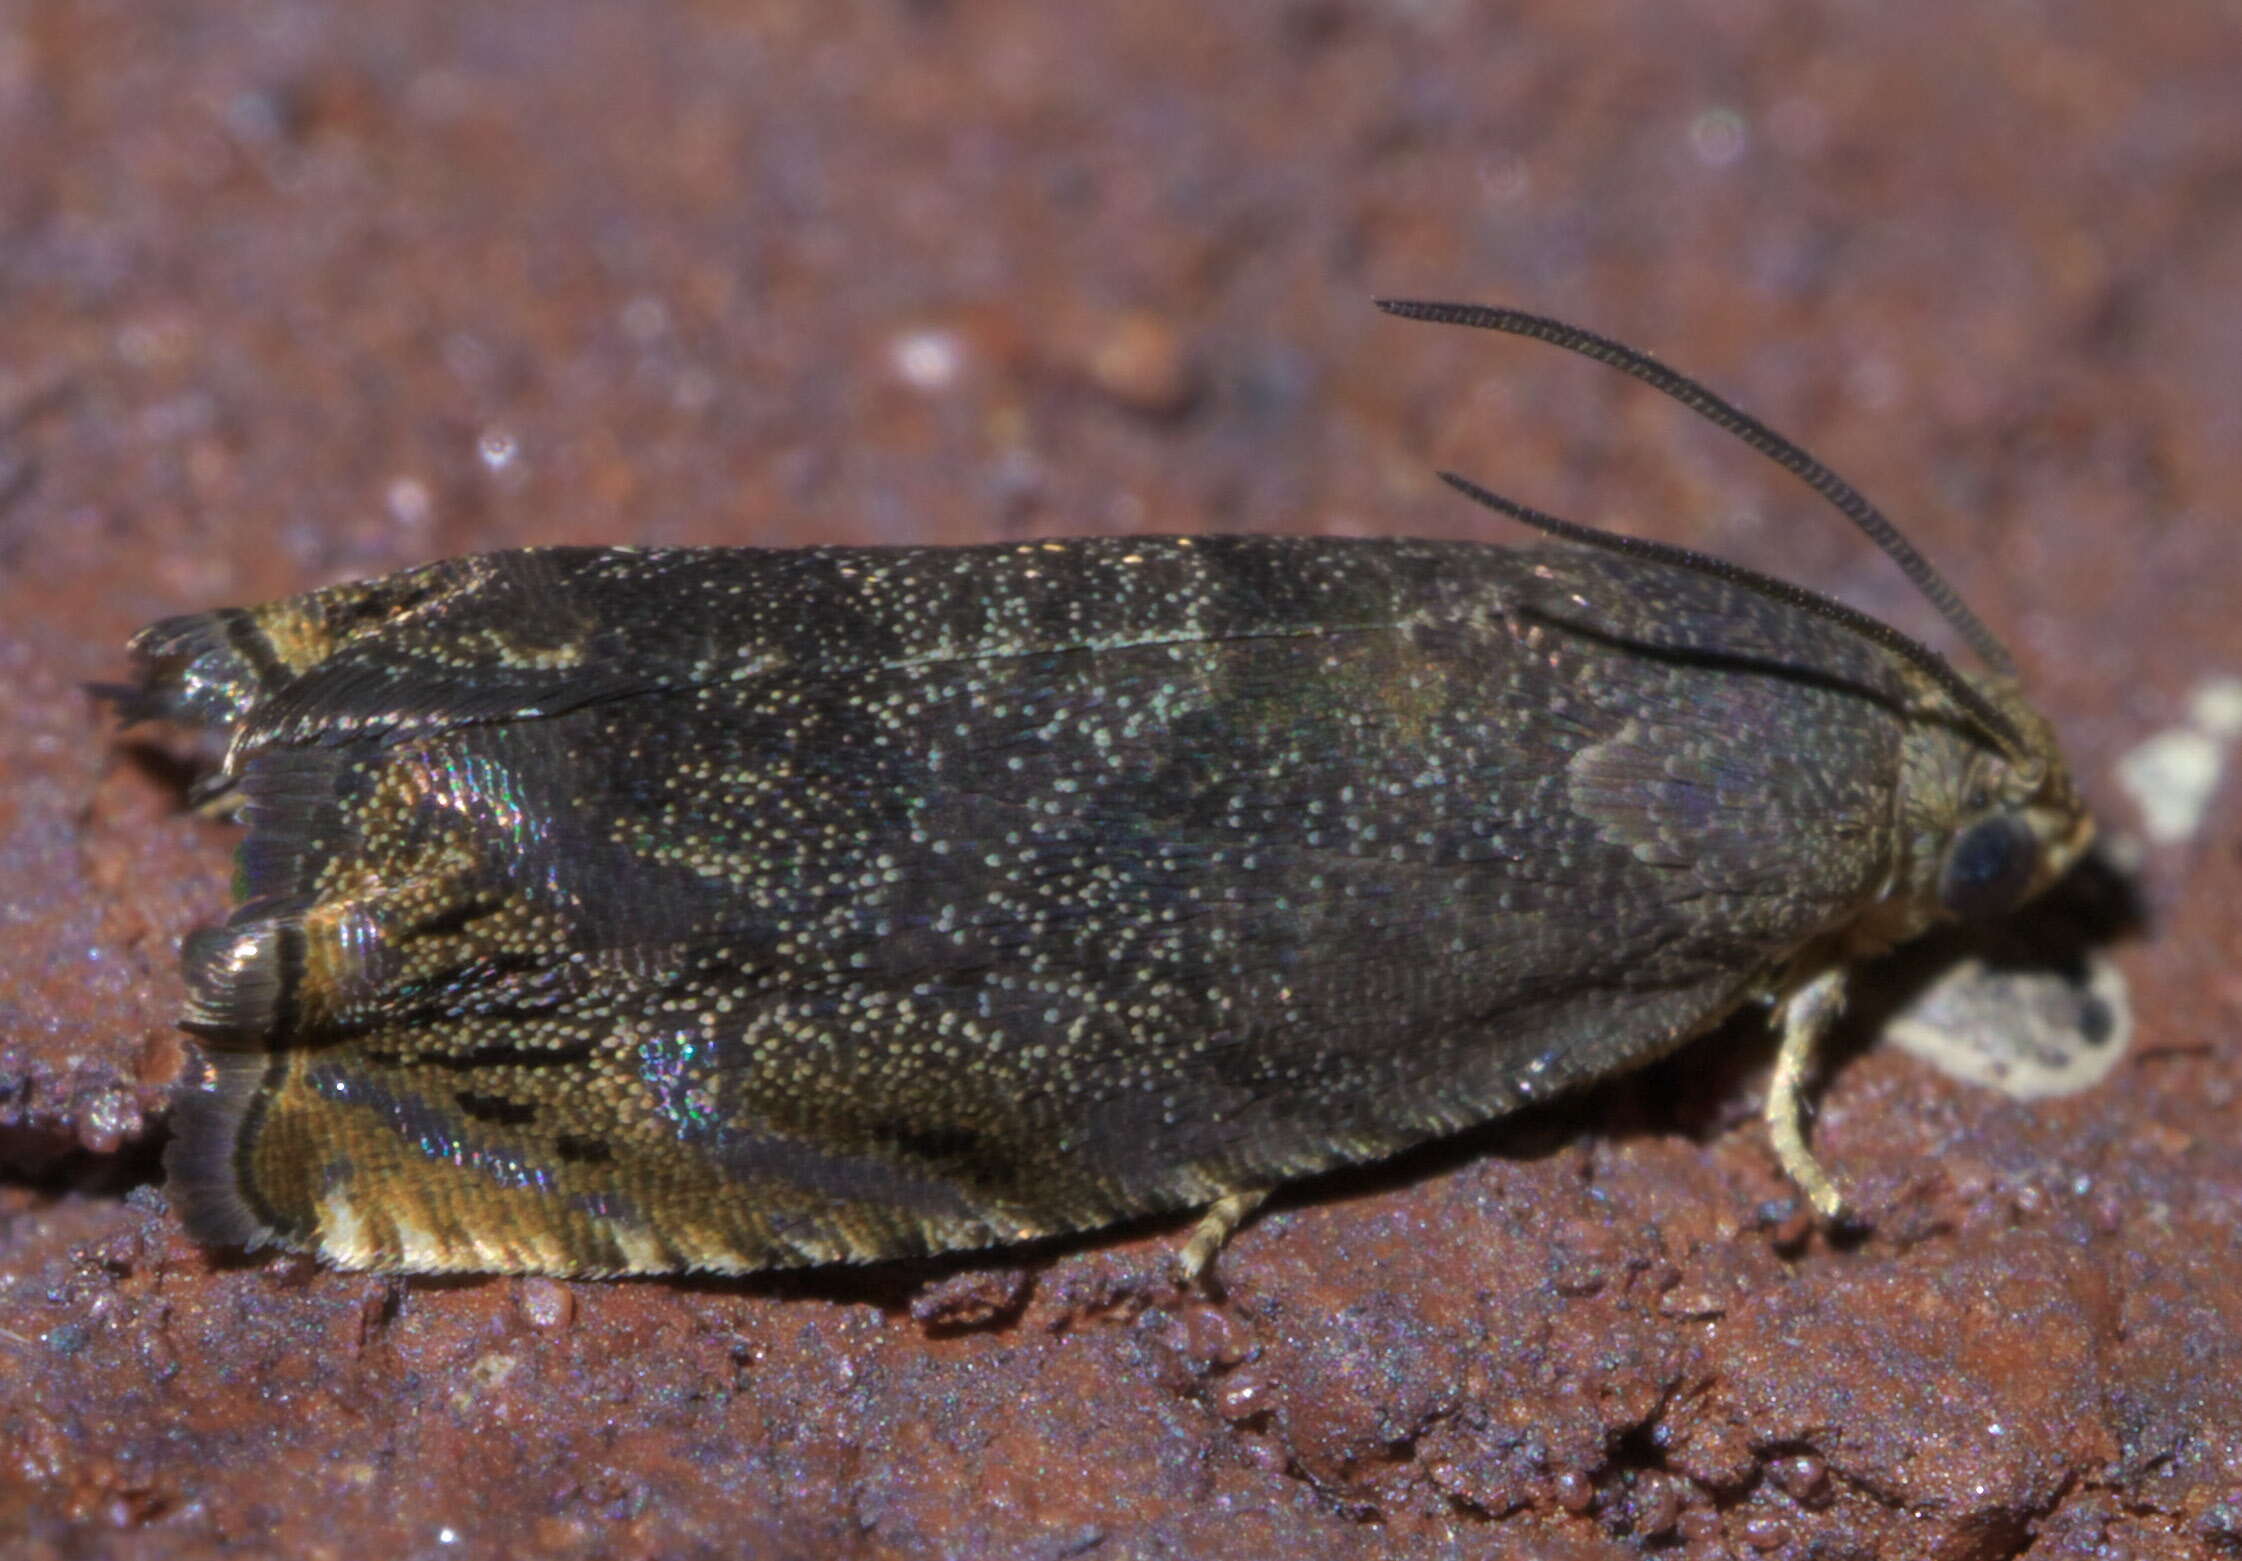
[201,1177]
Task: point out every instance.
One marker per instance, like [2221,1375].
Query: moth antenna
[1792,457]
[1937,667]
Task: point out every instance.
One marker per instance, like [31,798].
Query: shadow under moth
[613,910]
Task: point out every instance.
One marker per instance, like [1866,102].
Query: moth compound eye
[1989,868]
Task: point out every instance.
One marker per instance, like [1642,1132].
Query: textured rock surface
[291,293]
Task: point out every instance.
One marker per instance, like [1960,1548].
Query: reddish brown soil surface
[290,293]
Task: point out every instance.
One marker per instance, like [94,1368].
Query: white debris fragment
[2172,776]
[2028,1033]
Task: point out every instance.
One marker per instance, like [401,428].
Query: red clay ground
[290,293]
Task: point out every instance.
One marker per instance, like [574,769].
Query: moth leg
[1215,1228]
[1808,1014]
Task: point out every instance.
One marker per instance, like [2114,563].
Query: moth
[627,911]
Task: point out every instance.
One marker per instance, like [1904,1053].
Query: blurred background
[295,292]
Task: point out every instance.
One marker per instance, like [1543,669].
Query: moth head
[2019,823]
[1987,807]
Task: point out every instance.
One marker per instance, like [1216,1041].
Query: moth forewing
[627,911]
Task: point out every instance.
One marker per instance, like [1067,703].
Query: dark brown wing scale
[608,910]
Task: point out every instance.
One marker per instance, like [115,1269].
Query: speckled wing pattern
[615,911]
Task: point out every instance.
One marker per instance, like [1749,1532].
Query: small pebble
[547,1303]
